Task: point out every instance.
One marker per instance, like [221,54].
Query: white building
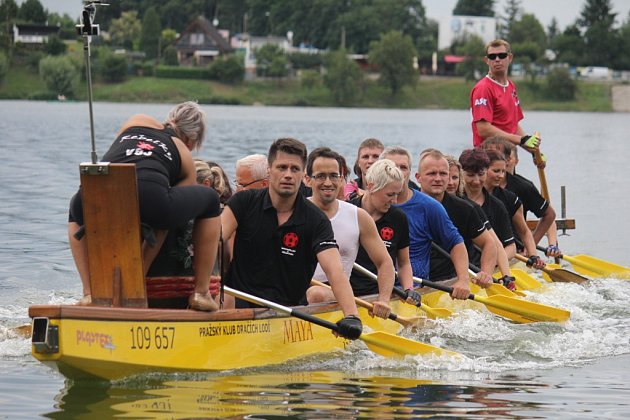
[455,27]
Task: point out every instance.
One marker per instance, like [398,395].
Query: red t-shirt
[496,104]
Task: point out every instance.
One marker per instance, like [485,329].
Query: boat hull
[113,343]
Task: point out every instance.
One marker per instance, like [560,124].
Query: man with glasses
[251,172]
[352,226]
[494,103]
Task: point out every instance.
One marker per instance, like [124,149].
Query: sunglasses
[493,56]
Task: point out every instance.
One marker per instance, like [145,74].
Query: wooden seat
[112,231]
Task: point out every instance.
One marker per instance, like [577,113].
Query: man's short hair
[396,150]
[369,143]
[323,152]
[432,153]
[257,165]
[498,43]
[287,145]
[474,160]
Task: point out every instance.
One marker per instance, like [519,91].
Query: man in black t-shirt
[280,237]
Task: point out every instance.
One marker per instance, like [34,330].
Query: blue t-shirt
[428,221]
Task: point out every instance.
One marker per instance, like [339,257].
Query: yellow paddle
[538,159]
[433,313]
[518,310]
[594,266]
[523,280]
[402,320]
[379,342]
[559,274]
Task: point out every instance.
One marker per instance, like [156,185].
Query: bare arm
[488,247]
[546,224]
[330,261]
[502,257]
[228,228]
[405,272]
[375,248]
[523,232]
[459,257]
[487,130]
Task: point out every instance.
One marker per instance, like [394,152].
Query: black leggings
[164,207]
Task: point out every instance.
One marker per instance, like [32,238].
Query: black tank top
[150,149]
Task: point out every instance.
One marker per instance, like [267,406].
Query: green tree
[8,14]
[473,48]
[151,31]
[513,11]
[228,69]
[55,46]
[271,61]
[474,8]
[560,86]
[126,29]
[528,38]
[569,46]
[394,57]
[169,56]
[552,31]
[343,77]
[169,36]
[114,68]
[32,11]
[59,74]
[623,62]
[601,39]
[4,66]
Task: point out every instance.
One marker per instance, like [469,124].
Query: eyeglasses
[321,177]
[239,185]
[494,56]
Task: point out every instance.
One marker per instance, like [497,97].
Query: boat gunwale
[104,313]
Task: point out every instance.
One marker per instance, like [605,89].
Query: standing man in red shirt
[494,104]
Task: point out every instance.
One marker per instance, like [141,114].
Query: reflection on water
[290,395]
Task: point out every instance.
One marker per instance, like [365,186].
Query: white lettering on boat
[91,337]
[295,330]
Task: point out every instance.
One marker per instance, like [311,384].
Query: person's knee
[318,294]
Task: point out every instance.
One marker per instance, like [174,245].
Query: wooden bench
[112,231]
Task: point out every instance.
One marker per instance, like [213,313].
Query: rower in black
[393,228]
[276,262]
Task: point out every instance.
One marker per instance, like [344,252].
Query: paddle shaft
[396,290]
[282,309]
[358,301]
[541,173]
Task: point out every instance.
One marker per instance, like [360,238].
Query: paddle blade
[435,313]
[605,267]
[391,345]
[566,276]
[523,311]
[524,281]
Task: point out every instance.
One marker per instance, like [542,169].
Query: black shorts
[164,207]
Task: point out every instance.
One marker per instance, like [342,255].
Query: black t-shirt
[393,228]
[528,193]
[276,262]
[468,223]
[498,217]
[150,149]
[509,199]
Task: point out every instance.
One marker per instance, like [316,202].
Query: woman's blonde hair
[217,178]
[382,173]
[188,122]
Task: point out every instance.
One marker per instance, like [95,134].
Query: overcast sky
[565,11]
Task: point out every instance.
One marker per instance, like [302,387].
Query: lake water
[576,370]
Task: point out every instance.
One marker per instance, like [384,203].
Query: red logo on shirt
[145,146]
[387,233]
[290,240]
